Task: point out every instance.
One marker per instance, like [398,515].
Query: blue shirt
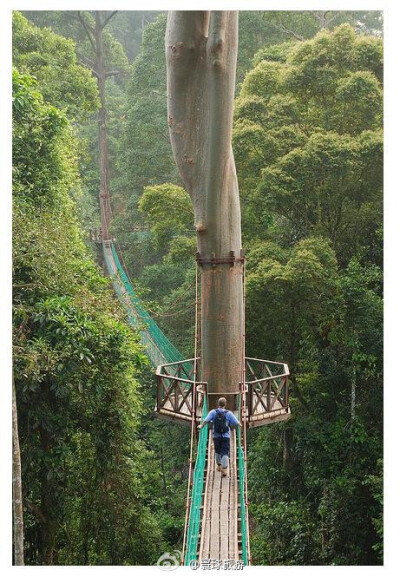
[230,417]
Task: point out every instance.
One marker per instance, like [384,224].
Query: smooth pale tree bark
[201,52]
[18,516]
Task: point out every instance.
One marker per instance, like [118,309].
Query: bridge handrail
[267,362]
[193,532]
[262,379]
[242,491]
[151,332]
[173,378]
[178,362]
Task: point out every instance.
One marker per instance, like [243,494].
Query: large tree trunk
[201,51]
[98,67]
[105,205]
[18,517]
[49,511]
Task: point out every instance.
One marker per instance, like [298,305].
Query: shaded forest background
[104,482]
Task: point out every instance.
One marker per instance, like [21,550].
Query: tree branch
[322,18]
[86,60]
[329,22]
[282,28]
[113,73]
[89,32]
[107,20]
[36,511]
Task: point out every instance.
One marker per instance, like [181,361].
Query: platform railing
[267,389]
[266,386]
[176,397]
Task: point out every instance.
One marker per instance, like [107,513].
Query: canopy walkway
[159,349]
[223,523]
[216,524]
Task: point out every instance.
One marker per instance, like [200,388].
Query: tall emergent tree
[18,515]
[201,52]
[98,67]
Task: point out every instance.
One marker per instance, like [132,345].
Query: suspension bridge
[216,520]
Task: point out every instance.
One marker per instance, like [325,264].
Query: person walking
[222,421]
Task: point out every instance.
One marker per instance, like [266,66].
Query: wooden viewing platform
[267,396]
[264,399]
[267,384]
[175,399]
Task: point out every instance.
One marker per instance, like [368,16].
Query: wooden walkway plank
[219,535]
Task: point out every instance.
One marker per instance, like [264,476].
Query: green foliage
[308,147]
[104,482]
[167,211]
[53,28]
[264,79]
[146,123]
[307,135]
[41,129]
[304,278]
[181,250]
[274,53]
[52,60]
[68,25]
[127,27]
[321,189]
[67,86]
[317,66]
[85,468]
[285,534]
[375,484]
[144,152]
[272,32]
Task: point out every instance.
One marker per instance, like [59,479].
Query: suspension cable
[245,416]
[123,261]
[171,305]
[244,396]
[193,424]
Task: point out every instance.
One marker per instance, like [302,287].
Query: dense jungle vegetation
[104,482]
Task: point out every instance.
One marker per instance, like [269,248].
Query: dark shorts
[222,446]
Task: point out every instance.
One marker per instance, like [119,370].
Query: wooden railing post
[250,399]
[286,389]
[159,384]
[175,397]
[269,395]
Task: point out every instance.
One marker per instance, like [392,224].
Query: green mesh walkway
[242,495]
[158,346]
[193,531]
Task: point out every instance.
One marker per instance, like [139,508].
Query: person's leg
[225,447]
[217,449]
